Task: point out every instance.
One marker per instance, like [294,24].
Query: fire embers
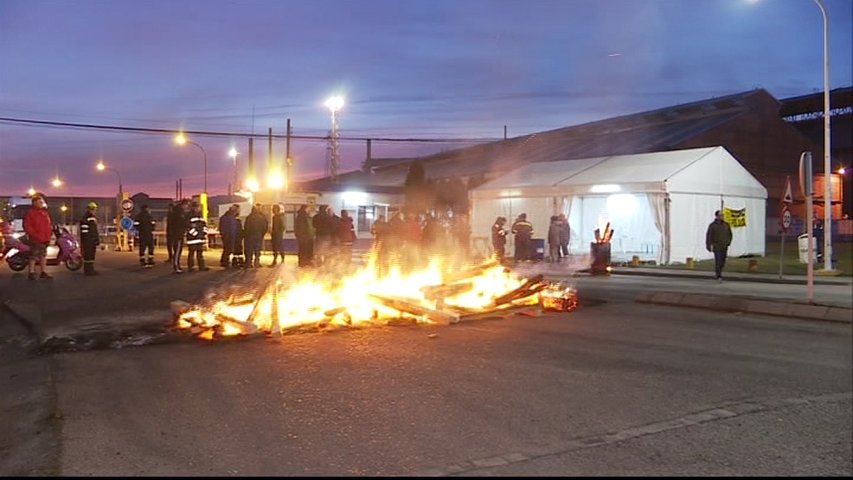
[439,295]
[558,297]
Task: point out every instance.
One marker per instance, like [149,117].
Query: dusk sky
[408,69]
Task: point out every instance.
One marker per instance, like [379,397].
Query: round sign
[127,204]
[126,223]
[786,219]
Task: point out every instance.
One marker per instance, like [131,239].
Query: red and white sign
[787,198]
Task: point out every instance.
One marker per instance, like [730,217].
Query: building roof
[652,131]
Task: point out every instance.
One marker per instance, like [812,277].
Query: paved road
[615,388]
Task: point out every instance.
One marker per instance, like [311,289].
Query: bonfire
[444,292]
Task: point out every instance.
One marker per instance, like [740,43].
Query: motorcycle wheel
[17,263]
[74,263]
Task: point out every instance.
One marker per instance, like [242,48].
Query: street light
[121,240]
[56,182]
[827,144]
[180,139]
[101,167]
[334,104]
[233,153]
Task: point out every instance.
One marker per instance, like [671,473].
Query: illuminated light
[100,166]
[233,152]
[842,170]
[63,208]
[609,269]
[622,203]
[252,185]
[31,191]
[335,103]
[180,139]
[56,182]
[355,198]
[606,188]
[275,181]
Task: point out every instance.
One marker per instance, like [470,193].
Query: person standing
[89,238]
[523,231]
[304,237]
[347,238]
[254,229]
[323,234]
[176,228]
[499,239]
[277,234]
[718,237]
[228,230]
[144,225]
[196,238]
[554,245]
[39,230]
[565,235]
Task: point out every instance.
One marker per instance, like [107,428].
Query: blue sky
[437,69]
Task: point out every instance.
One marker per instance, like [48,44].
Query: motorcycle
[16,251]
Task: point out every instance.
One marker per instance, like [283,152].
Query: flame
[321,297]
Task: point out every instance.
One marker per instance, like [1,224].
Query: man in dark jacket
[304,237]
[718,237]
[228,231]
[499,238]
[523,231]
[176,228]
[254,229]
[144,225]
[277,234]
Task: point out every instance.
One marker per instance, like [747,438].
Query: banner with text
[735,218]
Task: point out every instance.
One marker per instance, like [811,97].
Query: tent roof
[710,170]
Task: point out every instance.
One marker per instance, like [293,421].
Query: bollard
[753,266]
[635,261]
[689,262]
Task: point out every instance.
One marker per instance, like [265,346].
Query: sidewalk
[127,304]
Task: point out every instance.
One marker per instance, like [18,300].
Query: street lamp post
[827,144]
[233,154]
[121,239]
[334,104]
[182,140]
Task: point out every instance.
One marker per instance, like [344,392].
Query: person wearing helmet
[89,238]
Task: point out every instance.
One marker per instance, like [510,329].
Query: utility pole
[288,162]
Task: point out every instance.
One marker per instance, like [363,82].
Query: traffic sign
[787,197]
[127,205]
[785,219]
[126,223]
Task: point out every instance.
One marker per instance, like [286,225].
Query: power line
[118,128]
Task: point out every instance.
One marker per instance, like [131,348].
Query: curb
[738,278]
[828,313]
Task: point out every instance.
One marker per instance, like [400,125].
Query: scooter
[16,252]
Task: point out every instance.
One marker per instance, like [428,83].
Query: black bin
[537,249]
[599,254]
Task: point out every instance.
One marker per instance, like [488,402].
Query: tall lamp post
[334,104]
[121,239]
[827,147]
[233,153]
[181,139]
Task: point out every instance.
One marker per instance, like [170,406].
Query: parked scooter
[16,252]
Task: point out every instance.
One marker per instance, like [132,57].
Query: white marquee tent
[658,204]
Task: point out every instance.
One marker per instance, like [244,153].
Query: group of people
[242,242]
[559,233]
[39,230]
[410,239]
[323,238]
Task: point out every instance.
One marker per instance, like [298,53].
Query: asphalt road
[614,388]
[602,391]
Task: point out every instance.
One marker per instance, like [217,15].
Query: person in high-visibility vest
[196,236]
[89,238]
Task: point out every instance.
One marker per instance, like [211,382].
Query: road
[614,388]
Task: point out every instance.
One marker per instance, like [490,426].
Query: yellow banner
[735,218]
